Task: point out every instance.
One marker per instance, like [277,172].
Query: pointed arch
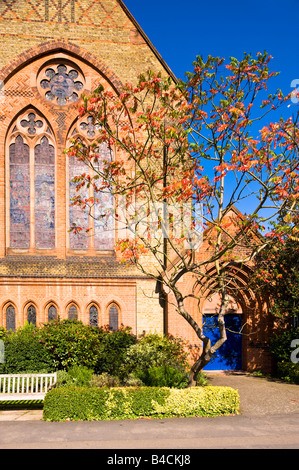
[93,314]
[99,214]
[31,159]
[51,311]
[10,316]
[113,312]
[19,192]
[31,313]
[72,311]
[61,46]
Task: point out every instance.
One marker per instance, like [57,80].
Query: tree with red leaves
[183,156]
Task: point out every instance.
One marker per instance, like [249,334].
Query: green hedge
[93,403]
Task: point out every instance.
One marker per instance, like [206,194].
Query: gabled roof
[147,40]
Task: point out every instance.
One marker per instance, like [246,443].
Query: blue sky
[181,30]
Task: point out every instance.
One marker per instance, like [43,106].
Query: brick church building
[51,51]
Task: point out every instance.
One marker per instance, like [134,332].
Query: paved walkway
[269,419]
[259,396]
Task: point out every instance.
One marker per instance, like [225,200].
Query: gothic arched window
[73,312]
[44,156]
[93,316]
[52,313]
[31,314]
[19,193]
[113,317]
[10,318]
[31,197]
[99,214]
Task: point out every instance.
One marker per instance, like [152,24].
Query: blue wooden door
[229,356]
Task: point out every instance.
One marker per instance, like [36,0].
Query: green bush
[64,379]
[3,332]
[280,344]
[163,376]
[25,353]
[80,375]
[93,403]
[105,380]
[112,351]
[69,343]
[155,350]
[288,371]
[202,380]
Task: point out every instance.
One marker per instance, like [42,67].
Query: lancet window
[98,214]
[31,198]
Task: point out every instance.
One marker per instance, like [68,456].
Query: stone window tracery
[61,83]
[97,216]
[31,163]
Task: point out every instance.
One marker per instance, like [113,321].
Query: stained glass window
[19,194]
[44,194]
[62,84]
[93,316]
[52,313]
[32,166]
[73,313]
[10,318]
[31,315]
[79,217]
[31,124]
[100,215]
[113,318]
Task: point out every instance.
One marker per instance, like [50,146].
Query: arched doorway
[229,355]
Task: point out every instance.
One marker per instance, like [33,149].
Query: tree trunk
[208,349]
[201,362]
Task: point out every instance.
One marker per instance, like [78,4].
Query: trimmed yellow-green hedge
[91,403]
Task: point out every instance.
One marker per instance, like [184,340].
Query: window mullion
[32,197]
[91,216]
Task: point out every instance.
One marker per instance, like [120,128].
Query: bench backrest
[26,383]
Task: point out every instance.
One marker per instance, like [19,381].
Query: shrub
[280,344]
[112,351]
[155,350]
[288,371]
[25,353]
[92,403]
[80,375]
[70,342]
[3,332]
[163,376]
[202,380]
[142,356]
[173,349]
[132,381]
[105,380]
[63,379]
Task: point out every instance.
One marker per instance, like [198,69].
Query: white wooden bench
[26,386]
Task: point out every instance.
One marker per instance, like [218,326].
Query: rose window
[62,84]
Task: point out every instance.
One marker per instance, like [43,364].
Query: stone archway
[229,356]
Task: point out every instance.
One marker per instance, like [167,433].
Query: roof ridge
[147,40]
